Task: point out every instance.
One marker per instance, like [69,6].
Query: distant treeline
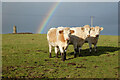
[23,33]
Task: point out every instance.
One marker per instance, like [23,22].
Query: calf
[58,38]
[78,38]
[94,36]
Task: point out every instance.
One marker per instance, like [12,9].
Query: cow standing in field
[94,36]
[58,38]
[78,38]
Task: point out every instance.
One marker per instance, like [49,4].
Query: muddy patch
[41,51]
[71,64]
[81,66]
[96,66]
[84,59]
[46,60]
[117,67]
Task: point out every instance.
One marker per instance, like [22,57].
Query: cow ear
[61,31]
[72,31]
[101,28]
[82,28]
[92,28]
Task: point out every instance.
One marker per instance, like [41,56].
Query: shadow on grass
[100,50]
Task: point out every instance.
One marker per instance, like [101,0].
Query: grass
[26,56]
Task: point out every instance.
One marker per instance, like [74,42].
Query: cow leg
[79,51]
[65,55]
[56,51]
[66,48]
[50,49]
[95,47]
[62,53]
[75,51]
[90,46]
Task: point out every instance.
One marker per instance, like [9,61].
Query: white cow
[94,36]
[58,38]
[78,38]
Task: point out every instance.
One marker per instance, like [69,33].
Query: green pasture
[27,56]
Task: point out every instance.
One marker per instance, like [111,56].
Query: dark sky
[27,16]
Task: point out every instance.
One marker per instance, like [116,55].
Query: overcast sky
[60,0]
[27,16]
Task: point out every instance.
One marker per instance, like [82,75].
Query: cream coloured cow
[58,38]
[94,36]
[78,38]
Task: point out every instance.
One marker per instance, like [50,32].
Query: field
[27,56]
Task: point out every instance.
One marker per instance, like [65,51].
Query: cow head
[65,32]
[86,29]
[95,31]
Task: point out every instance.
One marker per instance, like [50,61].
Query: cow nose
[97,35]
[88,35]
[67,39]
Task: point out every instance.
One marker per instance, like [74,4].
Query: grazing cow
[78,38]
[58,38]
[94,36]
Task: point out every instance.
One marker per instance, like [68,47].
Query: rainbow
[46,20]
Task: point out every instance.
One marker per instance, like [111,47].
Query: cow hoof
[57,56]
[95,51]
[63,59]
[80,55]
[74,56]
[50,56]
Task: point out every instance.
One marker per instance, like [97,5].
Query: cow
[94,36]
[59,38]
[78,38]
